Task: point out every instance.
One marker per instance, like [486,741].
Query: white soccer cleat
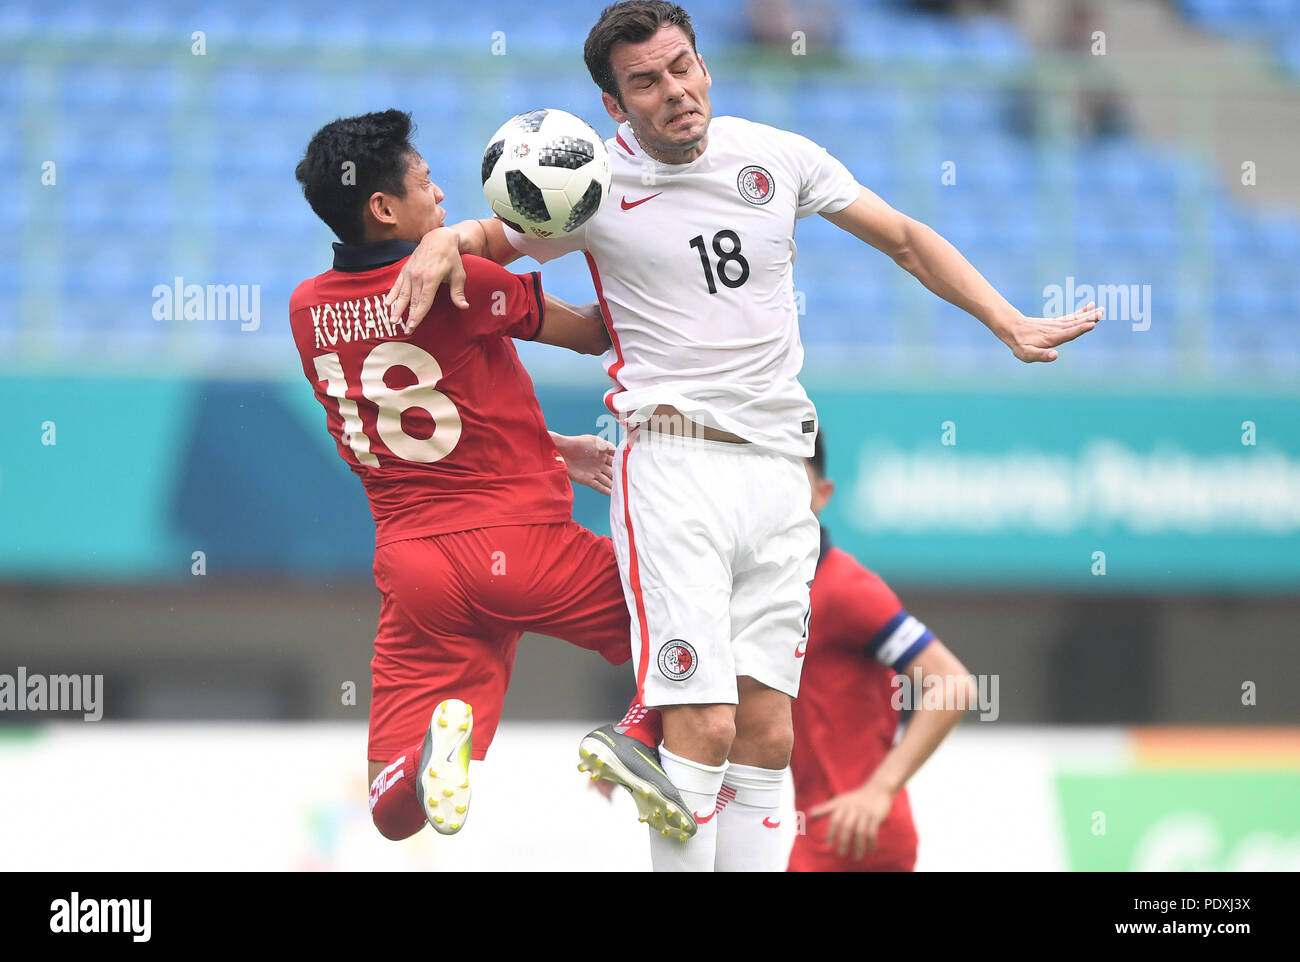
[443,785]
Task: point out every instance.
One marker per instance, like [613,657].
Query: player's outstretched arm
[856,816]
[938,265]
[436,261]
[580,329]
[589,459]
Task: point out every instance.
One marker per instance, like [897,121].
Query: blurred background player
[849,776]
[693,268]
[474,542]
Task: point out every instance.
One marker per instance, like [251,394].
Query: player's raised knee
[703,733]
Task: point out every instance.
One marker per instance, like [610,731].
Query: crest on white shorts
[677,660]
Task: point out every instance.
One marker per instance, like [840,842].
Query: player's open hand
[1033,338]
[436,261]
[855,818]
[590,460]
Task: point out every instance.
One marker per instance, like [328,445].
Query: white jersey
[694,268]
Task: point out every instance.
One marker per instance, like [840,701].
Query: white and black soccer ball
[545,172]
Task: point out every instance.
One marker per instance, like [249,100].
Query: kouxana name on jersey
[442,424]
[694,268]
[360,319]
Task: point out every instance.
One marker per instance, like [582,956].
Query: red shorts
[895,849]
[455,605]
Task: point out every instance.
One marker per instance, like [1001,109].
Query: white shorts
[717,546]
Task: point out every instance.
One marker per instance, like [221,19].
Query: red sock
[644,724]
[393,805]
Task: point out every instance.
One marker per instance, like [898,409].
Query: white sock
[699,784]
[749,819]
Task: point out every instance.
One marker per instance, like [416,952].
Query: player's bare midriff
[666,419]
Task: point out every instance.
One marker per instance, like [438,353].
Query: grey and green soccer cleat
[623,760]
[443,785]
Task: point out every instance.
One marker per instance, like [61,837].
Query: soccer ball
[545,172]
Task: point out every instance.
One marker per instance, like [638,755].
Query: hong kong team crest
[756,185]
[677,660]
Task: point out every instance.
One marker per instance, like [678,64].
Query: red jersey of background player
[859,637]
[448,435]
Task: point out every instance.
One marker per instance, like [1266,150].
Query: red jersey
[859,637]
[442,425]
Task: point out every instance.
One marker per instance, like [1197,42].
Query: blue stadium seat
[17,21]
[1278,234]
[11,278]
[1119,167]
[154,21]
[859,314]
[85,209]
[380,91]
[1288,50]
[960,222]
[972,112]
[109,140]
[237,91]
[261,153]
[13,93]
[273,26]
[1243,17]
[135,91]
[11,150]
[955,335]
[93,266]
[1280,11]
[993,41]
[75,21]
[992,164]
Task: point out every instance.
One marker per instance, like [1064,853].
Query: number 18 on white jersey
[694,268]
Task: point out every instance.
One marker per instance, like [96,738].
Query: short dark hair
[818,460]
[629,22]
[378,146]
